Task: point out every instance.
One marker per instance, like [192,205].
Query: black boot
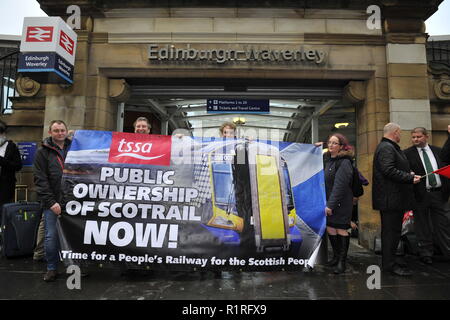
[335,245]
[344,243]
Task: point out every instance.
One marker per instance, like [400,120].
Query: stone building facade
[383,72]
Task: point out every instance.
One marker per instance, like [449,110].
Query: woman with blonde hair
[227,130]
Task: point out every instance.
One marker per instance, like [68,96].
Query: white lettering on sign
[300,54]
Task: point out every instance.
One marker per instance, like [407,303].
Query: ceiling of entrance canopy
[292,106]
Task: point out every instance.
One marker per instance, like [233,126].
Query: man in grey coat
[392,194]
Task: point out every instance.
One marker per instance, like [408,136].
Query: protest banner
[152,201]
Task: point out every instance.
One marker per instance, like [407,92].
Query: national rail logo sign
[146,149]
[66,42]
[47,50]
[39,34]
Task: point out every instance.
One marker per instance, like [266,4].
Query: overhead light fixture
[238,120]
[341,125]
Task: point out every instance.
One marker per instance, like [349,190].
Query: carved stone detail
[438,69]
[355,91]
[442,89]
[27,87]
[119,90]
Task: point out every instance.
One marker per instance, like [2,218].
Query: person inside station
[227,130]
[10,163]
[142,125]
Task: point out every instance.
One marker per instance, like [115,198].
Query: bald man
[392,195]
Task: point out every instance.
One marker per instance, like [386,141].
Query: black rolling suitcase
[19,226]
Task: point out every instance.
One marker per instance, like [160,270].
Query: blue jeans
[51,242]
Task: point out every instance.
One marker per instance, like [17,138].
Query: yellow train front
[251,194]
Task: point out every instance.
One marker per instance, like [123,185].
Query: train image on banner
[253,197]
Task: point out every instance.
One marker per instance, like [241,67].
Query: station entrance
[300,111]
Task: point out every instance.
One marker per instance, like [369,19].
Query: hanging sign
[47,50]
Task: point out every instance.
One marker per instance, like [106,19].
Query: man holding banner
[142,125]
[48,171]
[432,214]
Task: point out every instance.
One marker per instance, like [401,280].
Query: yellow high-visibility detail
[270,198]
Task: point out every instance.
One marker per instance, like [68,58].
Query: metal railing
[8,75]
[438,51]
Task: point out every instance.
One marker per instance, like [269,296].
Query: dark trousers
[391,229]
[432,222]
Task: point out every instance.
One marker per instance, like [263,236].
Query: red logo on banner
[140,149]
[39,34]
[66,42]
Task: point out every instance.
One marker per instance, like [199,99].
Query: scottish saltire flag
[185,202]
[309,193]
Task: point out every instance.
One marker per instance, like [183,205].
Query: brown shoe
[50,276]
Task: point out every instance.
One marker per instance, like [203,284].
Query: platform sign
[47,49]
[238,106]
[27,151]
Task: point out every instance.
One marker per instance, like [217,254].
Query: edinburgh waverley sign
[249,54]
[47,50]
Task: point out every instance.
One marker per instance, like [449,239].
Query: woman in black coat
[338,186]
[10,162]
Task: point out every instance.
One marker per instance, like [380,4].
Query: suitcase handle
[21,187]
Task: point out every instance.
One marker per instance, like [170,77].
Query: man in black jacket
[392,194]
[48,170]
[432,212]
[10,163]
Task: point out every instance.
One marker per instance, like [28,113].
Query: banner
[151,201]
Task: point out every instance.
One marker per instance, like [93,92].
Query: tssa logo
[66,42]
[140,149]
[39,34]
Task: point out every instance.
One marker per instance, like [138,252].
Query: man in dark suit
[392,194]
[432,212]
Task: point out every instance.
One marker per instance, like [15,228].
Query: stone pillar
[409,100]
[68,102]
[25,123]
[370,99]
